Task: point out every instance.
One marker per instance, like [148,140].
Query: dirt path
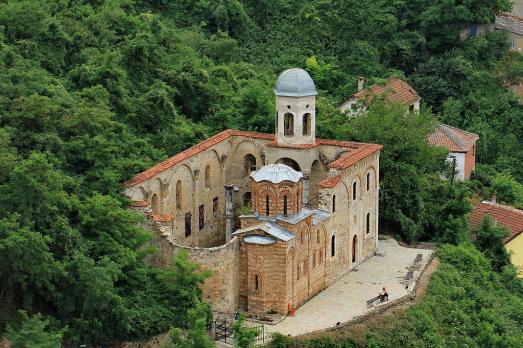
[381,320]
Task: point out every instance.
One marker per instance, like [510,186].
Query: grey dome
[295,83]
[276,173]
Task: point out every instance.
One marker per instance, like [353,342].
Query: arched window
[288,124]
[247,199]
[256,282]
[367,224]
[307,124]
[333,246]
[354,189]
[298,274]
[285,210]
[318,237]
[368,181]
[208,176]
[179,198]
[267,205]
[333,203]
[250,164]
[154,204]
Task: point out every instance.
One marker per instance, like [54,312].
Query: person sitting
[384,295]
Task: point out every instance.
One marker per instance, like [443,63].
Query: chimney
[361,83]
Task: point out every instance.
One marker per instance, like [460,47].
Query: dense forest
[94,91]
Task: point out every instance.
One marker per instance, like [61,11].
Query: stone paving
[347,298]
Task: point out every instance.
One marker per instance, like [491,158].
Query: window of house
[201,217]
[267,205]
[307,124]
[247,199]
[285,211]
[411,108]
[188,223]
[288,124]
[256,282]
[215,205]
[367,224]
[208,176]
[179,197]
[354,190]
[333,203]
[368,181]
[333,246]
[250,164]
[154,204]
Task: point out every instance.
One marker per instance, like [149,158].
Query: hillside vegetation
[94,91]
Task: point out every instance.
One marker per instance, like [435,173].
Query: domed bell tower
[295,108]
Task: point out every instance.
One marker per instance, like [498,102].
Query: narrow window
[305,266]
[314,260]
[333,203]
[367,224]
[179,197]
[297,202]
[368,181]
[256,282]
[250,164]
[307,124]
[201,217]
[288,124]
[247,199]
[333,246]
[154,204]
[215,205]
[298,272]
[267,205]
[318,237]
[354,187]
[208,176]
[285,205]
[188,222]
[320,258]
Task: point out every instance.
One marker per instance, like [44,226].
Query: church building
[275,217]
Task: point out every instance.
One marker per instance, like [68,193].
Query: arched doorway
[289,162]
[155,204]
[354,248]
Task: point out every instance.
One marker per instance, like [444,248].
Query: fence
[223,331]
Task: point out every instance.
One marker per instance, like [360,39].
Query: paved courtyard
[347,298]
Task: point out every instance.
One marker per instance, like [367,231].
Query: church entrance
[354,242]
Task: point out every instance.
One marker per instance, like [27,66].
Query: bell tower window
[307,124]
[288,124]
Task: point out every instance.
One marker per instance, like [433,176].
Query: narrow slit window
[267,205]
[333,246]
[285,210]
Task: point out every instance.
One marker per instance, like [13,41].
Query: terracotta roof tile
[395,90]
[502,214]
[162,218]
[452,138]
[139,204]
[360,150]
[331,182]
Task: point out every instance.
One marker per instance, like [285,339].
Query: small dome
[276,173]
[295,83]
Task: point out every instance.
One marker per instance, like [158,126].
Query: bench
[418,258]
[409,275]
[372,300]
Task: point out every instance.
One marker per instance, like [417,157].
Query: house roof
[358,151]
[452,138]
[295,83]
[395,90]
[505,215]
[509,22]
[269,227]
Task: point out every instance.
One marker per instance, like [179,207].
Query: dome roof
[295,83]
[276,173]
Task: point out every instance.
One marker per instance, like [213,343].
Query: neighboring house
[475,30]
[395,90]
[461,145]
[513,25]
[507,216]
[298,190]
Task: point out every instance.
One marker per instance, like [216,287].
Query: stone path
[346,299]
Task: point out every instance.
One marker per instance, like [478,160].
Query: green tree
[196,333]
[244,336]
[33,332]
[490,239]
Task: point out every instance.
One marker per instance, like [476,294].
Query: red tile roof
[502,214]
[162,218]
[452,138]
[331,182]
[360,150]
[395,90]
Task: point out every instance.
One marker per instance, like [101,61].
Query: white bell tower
[295,108]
